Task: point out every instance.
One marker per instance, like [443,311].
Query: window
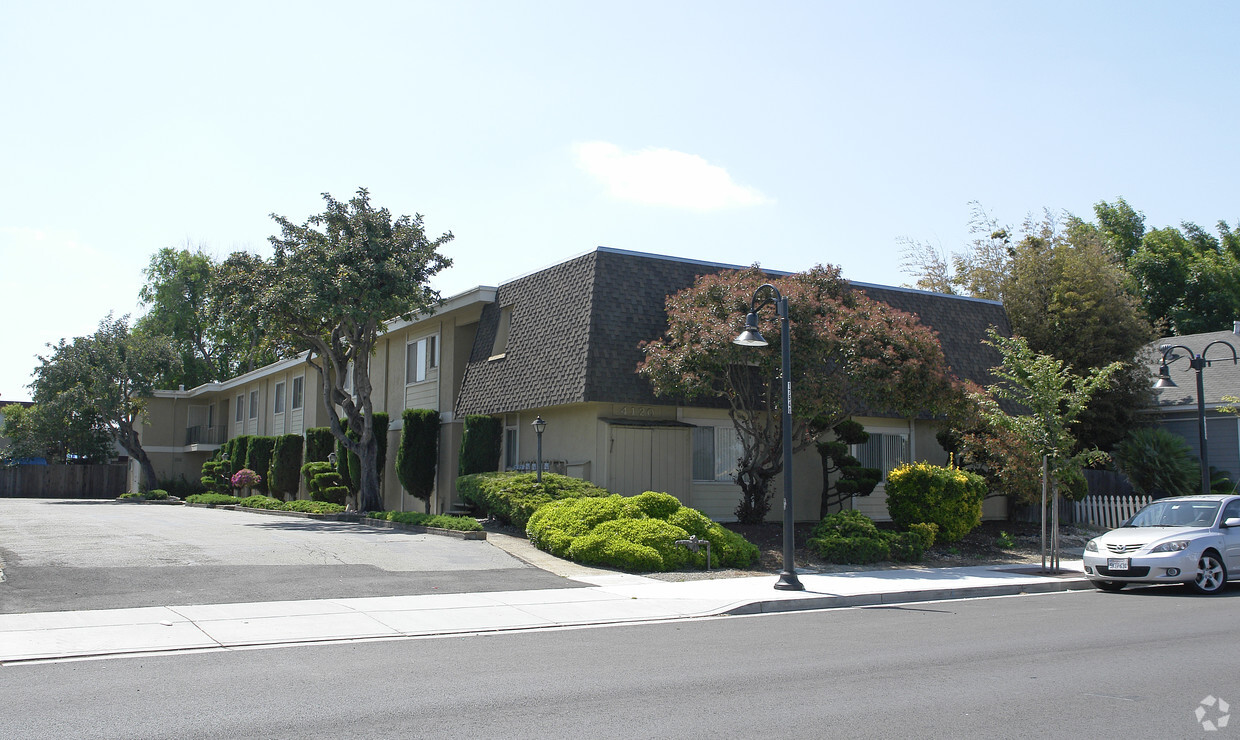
[501,333]
[279,405]
[299,391]
[884,451]
[510,448]
[254,404]
[421,357]
[211,416]
[240,415]
[716,451]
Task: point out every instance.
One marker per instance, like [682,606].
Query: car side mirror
[1233,521]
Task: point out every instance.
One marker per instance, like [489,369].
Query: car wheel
[1109,585]
[1211,574]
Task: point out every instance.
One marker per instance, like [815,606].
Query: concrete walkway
[611,598]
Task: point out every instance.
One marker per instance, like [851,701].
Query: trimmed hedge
[851,537]
[434,521]
[237,449]
[266,502]
[635,533]
[284,475]
[324,482]
[212,499]
[513,497]
[260,502]
[157,494]
[481,445]
[418,454]
[319,444]
[313,507]
[949,497]
[258,458]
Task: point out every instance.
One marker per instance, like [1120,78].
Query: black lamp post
[1198,363]
[539,425]
[751,337]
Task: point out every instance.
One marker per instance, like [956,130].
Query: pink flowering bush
[246,478]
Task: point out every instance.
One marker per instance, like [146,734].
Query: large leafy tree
[330,287]
[103,381]
[54,431]
[208,317]
[846,348]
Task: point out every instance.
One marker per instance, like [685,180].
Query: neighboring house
[1177,407]
[563,343]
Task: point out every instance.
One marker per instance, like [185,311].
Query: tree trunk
[755,498]
[369,497]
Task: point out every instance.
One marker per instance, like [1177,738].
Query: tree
[208,317]
[55,431]
[1051,397]
[843,476]
[980,270]
[418,454]
[106,379]
[846,348]
[331,286]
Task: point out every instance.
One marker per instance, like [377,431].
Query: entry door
[649,459]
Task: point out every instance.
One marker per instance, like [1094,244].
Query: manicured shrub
[215,475]
[284,475]
[156,494]
[261,502]
[618,531]
[319,444]
[1157,462]
[851,537]
[948,497]
[212,499]
[258,456]
[351,465]
[513,497]
[313,507]
[481,445]
[237,449]
[180,487]
[911,546]
[418,454]
[324,482]
[435,521]
[245,478]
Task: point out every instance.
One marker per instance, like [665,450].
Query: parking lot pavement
[61,555]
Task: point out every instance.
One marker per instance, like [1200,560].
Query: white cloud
[664,177]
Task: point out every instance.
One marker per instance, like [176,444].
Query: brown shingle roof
[576,330]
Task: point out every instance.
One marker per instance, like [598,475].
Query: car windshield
[1176,514]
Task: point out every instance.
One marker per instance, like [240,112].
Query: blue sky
[789,133]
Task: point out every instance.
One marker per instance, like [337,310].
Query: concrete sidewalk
[612,598]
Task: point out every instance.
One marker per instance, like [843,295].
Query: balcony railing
[205,435]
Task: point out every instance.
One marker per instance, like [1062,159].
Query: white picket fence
[1107,511]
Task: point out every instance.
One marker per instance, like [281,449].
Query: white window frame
[277,406]
[239,416]
[421,356]
[299,393]
[253,404]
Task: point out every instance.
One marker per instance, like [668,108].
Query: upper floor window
[500,346]
[421,356]
[299,391]
[240,415]
[279,403]
[254,404]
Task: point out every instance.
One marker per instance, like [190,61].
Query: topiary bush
[635,533]
[513,497]
[324,483]
[215,476]
[237,449]
[481,445]
[948,497]
[284,474]
[258,456]
[851,537]
[418,454]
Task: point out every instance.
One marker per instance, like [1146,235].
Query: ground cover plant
[266,502]
[212,499]
[851,537]
[435,521]
[157,494]
[513,497]
[634,533]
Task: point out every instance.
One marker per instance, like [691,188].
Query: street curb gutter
[807,603]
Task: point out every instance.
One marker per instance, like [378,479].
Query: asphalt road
[1068,665]
[61,555]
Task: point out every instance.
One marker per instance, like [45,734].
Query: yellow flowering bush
[948,497]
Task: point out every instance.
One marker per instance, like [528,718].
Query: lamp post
[1198,363]
[751,337]
[539,426]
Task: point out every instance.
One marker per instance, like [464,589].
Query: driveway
[67,555]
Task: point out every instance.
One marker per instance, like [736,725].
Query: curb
[906,597]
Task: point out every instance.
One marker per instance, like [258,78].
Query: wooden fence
[63,481]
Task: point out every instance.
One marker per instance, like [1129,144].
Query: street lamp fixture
[539,426]
[751,337]
[1197,363]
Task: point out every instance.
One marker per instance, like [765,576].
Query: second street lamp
[1198,363]
[751,337]
[539,425]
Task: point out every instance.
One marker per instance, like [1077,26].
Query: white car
[1189,539]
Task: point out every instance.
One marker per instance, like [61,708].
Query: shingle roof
[1220,378]
[576,330]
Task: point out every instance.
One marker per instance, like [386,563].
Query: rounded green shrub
[513,497]
[947,497]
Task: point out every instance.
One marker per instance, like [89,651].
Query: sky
[786,133]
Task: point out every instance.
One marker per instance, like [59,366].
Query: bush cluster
[851,537]
[949,497]
[435,521]
[260,502]
[635,533]
[324,482]
[513,497]
[157,494]
[266,502]
[212,499]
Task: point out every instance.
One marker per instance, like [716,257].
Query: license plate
[1117,563]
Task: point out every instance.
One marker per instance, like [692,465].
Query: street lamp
[751,337]
[1198,363]
[539,426]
